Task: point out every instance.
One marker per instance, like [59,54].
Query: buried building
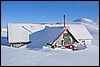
[73,37]
[56,35]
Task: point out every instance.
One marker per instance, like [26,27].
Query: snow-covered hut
[71,36]
[41,34]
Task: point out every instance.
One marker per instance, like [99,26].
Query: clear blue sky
[47,11]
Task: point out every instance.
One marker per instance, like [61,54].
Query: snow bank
[42,37]
[22,57]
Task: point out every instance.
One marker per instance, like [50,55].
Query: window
[65,35]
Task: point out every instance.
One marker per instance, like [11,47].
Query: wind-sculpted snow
[94,23]
[42,37]
[22,57]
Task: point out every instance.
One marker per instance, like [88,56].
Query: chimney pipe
[64,21]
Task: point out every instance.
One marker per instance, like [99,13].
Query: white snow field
[38,57]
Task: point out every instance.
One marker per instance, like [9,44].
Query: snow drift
[42,37]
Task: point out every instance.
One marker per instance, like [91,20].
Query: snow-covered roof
[80,31]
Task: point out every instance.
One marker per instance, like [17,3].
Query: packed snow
[52,57]
[43,37]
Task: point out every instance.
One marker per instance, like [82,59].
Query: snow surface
[38,57]
[79,31]
[94,23]
[23,57]
[44,36]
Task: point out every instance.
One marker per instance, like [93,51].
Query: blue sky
[47,11]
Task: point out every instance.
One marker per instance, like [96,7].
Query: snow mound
[48,49]
[42,37]
[83,20]
[94,23]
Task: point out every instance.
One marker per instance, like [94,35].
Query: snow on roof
[49,34]
[80,31]
[42,37]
